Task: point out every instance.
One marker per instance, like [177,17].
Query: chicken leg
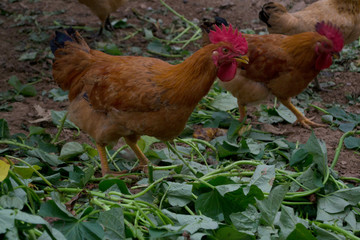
[143,161]
[242,111]
[300,117]
[132,144]
[104,163]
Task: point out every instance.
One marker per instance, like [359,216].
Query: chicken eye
[225,51]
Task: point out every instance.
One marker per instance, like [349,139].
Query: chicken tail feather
[71,60]
[69,36]
[270,12]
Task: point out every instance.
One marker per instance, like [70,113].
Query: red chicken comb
[229,35]
[332,33]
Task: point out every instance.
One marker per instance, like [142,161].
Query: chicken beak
[242,59]
[336,55]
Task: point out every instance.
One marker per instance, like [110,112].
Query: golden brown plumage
[283,66]
[127,96]
[102,9]
[345,14]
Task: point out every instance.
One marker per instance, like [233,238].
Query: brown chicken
[102,9]
[130,96]
[345,14]
[283,66]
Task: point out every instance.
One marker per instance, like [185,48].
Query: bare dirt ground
[14,40]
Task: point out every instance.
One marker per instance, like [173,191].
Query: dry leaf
[44,114]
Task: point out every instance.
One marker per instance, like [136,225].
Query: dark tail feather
[220,21]
[264,16]
[60,38]
[209,24]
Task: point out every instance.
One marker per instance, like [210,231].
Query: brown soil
[14,39]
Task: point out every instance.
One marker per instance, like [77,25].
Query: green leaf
[311,179]
[23,89]
[79,177]
[58,95]
[350,194]
[4,129]
[25,171]
[145,142]
[224,102]
[270,206]
[28,91]
[108,183]
[298,156]
[338,113]
[347,127]
[34,130]
[28,56]
[164,233]
[120,23]
[338,201]
[220,206]
[317,149]
[263,177]
[56,233]
[70,150]
[327,118]
[211,204]
[113,223]
[192,223]
[56,117]
[148,34]
[351,220]
[352,142]
[112,49]
[332,204]
[301,232]
[51,159]
[247,220]
[224,189]
[29,218]
[254,147]
[233,131]
[179,194]
[286,114]
[227,148]
[39,37]
[7,220]
[54,208]
[157,47]
[4,170]
[80,230]
[322,234]
[287,222]
[229,233]
[7,201]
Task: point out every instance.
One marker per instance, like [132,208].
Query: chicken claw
[301,119]
[105,170]
[307,123]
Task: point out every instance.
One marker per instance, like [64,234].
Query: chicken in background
[102,10]
[282,65]
[130,96]
[345,14]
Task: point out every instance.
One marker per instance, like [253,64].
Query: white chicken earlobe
[215,58]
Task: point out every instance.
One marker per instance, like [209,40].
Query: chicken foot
[143,161]
[104,162]
[143,165]
[304,121]
[317,86]
[108,25]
